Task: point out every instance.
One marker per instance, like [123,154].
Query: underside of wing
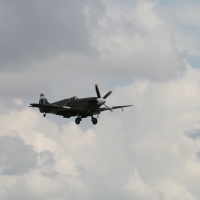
[113,107]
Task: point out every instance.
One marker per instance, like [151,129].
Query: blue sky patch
[194,61]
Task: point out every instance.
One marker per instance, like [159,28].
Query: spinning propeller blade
[111,110]
[97,91]
[108,94]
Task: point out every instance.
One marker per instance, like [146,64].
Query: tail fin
[43,100]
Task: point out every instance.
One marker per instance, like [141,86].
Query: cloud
[184,14]
[135,41]
[138,153]
[46,158]
[194,134]
[37,30]
[16,157]
[129,40]
[198,155]
[129,47]
[138,189]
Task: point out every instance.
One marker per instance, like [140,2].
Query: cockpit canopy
[71,99]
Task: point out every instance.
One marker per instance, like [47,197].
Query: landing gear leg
[44,115]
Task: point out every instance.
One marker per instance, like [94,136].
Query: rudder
[43,99]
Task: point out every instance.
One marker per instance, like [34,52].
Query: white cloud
[175,190]
[137,188]
[184,15]
[132,41]
[18,102]
[149,138]
[136,41]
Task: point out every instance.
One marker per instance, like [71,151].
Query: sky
[147,52]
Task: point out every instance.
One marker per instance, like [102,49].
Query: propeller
[108,108]
[108,94]
[100,100]
[97,91]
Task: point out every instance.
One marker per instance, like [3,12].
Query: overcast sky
[147,52]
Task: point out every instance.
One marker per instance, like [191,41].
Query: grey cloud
[46,158]
[198,155]
[37,29]
[81,170]
[15,156]
[44,30]
[194,134]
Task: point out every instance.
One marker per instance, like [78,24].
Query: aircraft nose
[100,101]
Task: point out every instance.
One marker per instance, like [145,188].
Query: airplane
[74,107]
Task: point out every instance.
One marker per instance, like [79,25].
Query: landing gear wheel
[77,120]
[44,115]
[94,121]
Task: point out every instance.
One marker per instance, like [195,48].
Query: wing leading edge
[113,107]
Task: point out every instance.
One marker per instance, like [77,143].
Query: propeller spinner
[102,101]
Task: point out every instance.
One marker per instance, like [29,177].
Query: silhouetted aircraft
[81,108]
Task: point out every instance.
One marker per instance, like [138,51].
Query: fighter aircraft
[74,107]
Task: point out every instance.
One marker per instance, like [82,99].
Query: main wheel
[77,120]
[94,121]
[44,115]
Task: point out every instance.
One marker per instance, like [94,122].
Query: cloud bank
[139,49]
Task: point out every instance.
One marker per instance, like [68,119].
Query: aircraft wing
[113,107]
[52,107]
